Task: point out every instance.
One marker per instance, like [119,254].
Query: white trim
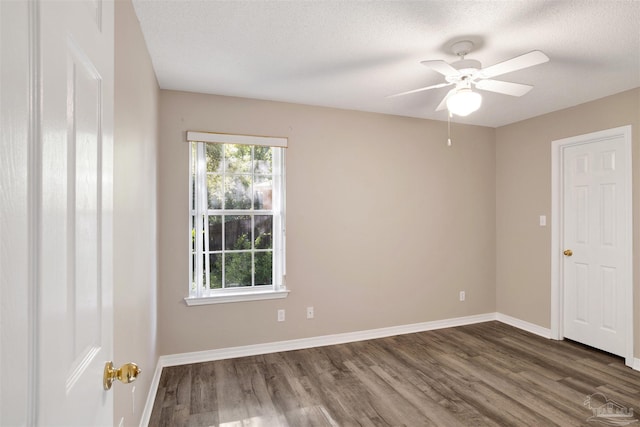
[34,212]
[224,138]
[557,231]
[224,297]
[636,364]
[556,235]
[151,397]
[524,325]
[299,344]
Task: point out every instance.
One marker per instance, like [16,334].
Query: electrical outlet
[462,296]
[281,315]
[309,312]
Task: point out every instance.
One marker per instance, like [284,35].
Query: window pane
[193,233]
[263,193]
[203,280]
[263,231]
[237,232]
[262,160]
[215,271]
[215,233]
[194,162]
[237,227]
[237,269]
[193,192]
[193,272]
[237,158]
[264,269]
[238,192]
[214,157]
[214,191]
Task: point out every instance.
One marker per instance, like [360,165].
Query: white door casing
[16,285]
[592,290]
[68,206]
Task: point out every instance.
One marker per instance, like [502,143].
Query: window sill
[226,297]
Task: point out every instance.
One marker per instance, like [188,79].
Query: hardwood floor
[488,374]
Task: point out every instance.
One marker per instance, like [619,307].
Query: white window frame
[201,294]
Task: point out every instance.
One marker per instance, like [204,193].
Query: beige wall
[385,223]
[523,193]
[135,225]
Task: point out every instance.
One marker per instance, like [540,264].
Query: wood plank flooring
[487,374]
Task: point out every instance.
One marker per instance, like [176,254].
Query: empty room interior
[308,229]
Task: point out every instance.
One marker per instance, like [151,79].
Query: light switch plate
[543,220]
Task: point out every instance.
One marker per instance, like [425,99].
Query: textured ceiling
[353,54]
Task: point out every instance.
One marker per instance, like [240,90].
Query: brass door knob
[127,373]
[568,252]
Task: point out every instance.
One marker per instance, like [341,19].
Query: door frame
[20,255]
[557,230]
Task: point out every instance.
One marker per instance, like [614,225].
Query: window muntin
[237,218]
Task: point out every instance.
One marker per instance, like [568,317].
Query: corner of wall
[135,192]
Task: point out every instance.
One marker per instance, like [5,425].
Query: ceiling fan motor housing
[466,67]
[467,64]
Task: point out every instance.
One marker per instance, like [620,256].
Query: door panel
[582,293]
[75,289]
[83,207]
[597,231]
[609,298]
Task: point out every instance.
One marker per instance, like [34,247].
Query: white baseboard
[636,364]
[299,344]
[524,325]
[151,397]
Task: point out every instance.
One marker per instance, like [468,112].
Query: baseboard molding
[151,397]
[636,364]
[524,325]
[299,344]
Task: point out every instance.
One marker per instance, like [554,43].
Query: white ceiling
[352,54]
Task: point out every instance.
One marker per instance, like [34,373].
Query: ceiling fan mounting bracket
[462,48]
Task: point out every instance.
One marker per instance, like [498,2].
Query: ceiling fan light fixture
[464,102]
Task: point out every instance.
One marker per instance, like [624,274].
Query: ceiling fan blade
[420,90]
[443,103]
[441,67]
[506,88]
[519,62]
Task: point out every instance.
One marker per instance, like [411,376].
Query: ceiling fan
[466,73]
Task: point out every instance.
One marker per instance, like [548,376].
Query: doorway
[591,262]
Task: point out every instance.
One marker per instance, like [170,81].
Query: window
[237,226]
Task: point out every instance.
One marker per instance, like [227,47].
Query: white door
[74,209]
[597,277]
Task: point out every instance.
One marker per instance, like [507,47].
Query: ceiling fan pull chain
[448,128]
